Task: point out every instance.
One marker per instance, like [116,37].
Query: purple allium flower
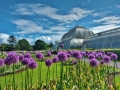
[83,54]
[27,55]
[62,56]
[74,62]
[61,45]
[55,59]
[101,62]
[109,53]
[32,64]
[68,55]
[77,55]
[49,53]
[113,56]
[106,59]
[21,57]
[25,61]
[11,58]
[1,62]
[48,62]
[39,55]
[91,56]
[93,62]
[100,55]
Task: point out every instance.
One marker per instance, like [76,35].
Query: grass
[18,79]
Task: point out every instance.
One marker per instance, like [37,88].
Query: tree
[4,47]
[12,41]
[51,45]
[40,45]
[23,44]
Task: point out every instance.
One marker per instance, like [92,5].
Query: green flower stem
[47,76]
[22,79]
[13,76]
[56,70]
[53,70]
[114,76]
[61,75]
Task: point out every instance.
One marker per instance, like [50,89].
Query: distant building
[79,36]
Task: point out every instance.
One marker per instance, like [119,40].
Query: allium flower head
[11,58]
[61,45]
[113,56]
[93,62]
[77,55]
[68,55]
[21,57]
[101,62]
[39,55]
[1,62]
[27,55]
[32,64]
[106,59]
[74,62]
[109,53]
[83,54]
[91,56]
[48,62]
[49,53]
[25,61]
[55,59]
[62,56]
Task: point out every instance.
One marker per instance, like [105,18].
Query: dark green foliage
[12,41]
[4,47]
[23,44]
[40,45]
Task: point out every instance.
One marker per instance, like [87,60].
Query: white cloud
[28,26]
[40,9]
[101,14]
[117,6]
[3,38]
[108,20]
[46,39]
[103,28]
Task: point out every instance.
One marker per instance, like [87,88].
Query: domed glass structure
[75,37]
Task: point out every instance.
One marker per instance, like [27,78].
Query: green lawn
[18,78]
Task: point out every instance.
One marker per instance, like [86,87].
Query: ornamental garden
[59,70]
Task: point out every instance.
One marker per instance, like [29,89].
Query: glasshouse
[79,36]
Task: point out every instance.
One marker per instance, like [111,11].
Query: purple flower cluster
[27,55]
[93,62]
[49,53]
[77,55]
[25,61]
[91,56]
[48,62]
[74,62]
[32,64]
[1,62]
[55,59]
[61,45]
[62,56]
[11,58]
[39,55]
[113,56]
[21,57]
[106,59]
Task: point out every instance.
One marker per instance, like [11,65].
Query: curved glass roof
[77,32]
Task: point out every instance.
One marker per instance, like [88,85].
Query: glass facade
[79,36]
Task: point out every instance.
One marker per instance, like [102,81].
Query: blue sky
[48,20]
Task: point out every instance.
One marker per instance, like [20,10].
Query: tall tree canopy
[23,44]
[40,45]
[12,41]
